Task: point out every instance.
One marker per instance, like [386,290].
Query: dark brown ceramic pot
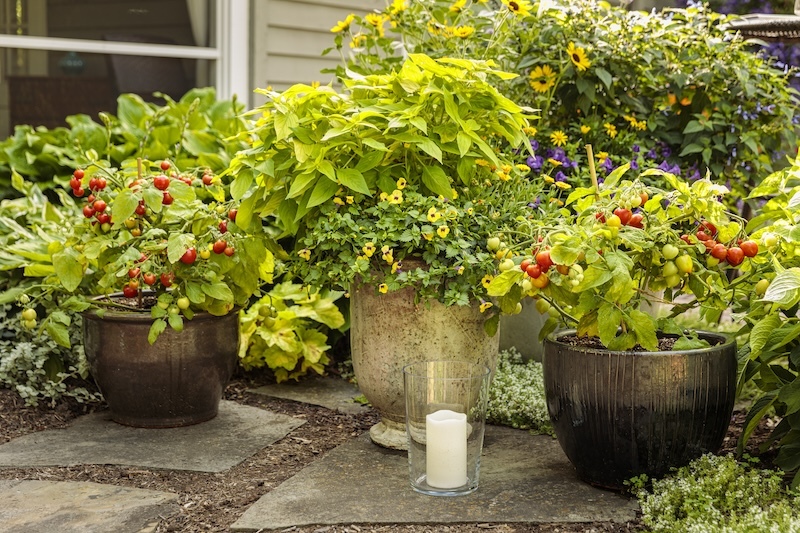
[177,381]
[621,414]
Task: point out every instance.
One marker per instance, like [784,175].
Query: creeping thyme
[516,397]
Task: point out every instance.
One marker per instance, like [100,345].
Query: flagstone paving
[236,433]
[524,478]
[80,507]
[336,394]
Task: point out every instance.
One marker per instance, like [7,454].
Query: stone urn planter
[389,331]
[177,381]
[621,414]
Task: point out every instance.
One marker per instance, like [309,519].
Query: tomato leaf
[219,291]
[123,206]
[68,268]
[156,329]
[500,285]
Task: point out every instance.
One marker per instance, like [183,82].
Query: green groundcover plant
[666,89]
[516,396]
[414,164]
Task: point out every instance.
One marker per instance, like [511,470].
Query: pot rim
[119,315]
[411,369]
[725,341]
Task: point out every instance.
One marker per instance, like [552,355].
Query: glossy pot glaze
[621,414]
[177,381]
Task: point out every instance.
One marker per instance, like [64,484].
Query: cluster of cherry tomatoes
[719,252]
[95,207]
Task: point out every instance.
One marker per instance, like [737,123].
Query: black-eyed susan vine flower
[383,288]
[433,215]
[485,306]
[368,249]
[443,231]
[387,254]
[396,197]
[305,254]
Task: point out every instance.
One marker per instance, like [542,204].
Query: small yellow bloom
[505,168]
[397,6]
[369,249]
[521,8]
[396,197]
[343,24]
[470,211]
[338,201]
[305,253]
[374,19]
[563,185]
[503,175]
[485,306]
[387,254]
[428,236]
[401,183]
[433,215]
[383,196]
[443,231]
[383,288]
[585,129]
[460,270]
[611,129]
[314,84]
[640,125]
[395,266]
[548,179]
[601,157]
[487,279]
[482,163]
[554,162]
[530,131]
[523,168]
[463,31]
[578,57]
[349,199]
[559,138]
[358,40]
[454,193]
[542,78]
[458,6]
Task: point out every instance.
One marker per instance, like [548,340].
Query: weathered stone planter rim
[484,370]
[723,339]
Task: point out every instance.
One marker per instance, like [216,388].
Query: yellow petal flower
[369,249]
[578,57]
[338,201]
[343,24]
[485,306]
[585,129]
[559,138]
[401,183]
[487,279]
[443,231]
[396,197]
[383,288]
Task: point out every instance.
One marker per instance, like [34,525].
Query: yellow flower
[454,192]
[397,6]
[338,201]
[314,84]
[523,168]
[482,163]
[383,288]
[460,270]
[559,138]
[369,249]
[485,306]
[428,236]
[358,40]
[396,197]
[433,215]
[395,266]
[548,179]
[305,253]
[401,183]
[383,196]
[554,162]
[640,125]
[542,78]
[611,129]
[519,7]
[463,31]
[487,279]
[530,131]
[349,199]
[562,185]
[601,157]
[503,175]
[443,231]
[578,57]
[470,211]
[458,6]
[374,19]
[505,167]
[585,129]
[343,24]
[387,254]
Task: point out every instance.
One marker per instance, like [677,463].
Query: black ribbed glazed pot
[177,381]
[621,414]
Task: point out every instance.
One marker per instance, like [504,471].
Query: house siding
[290,35]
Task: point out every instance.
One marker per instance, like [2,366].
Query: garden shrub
[717,494]
[516,397]
[666,89]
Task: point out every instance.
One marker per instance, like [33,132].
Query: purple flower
[608,165]
[560,176]
[535,162]
[635,148]
[534,144]
[634,164]
[535,203]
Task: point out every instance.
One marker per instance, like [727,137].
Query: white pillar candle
[446,458]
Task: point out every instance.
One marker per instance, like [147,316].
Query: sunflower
[463,31]
[343,24]
[578,57]
[542,78]
[519,7]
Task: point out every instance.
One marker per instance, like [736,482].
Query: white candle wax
[446,459]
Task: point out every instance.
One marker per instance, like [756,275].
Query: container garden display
[397,184]
[158,265]
[636,394]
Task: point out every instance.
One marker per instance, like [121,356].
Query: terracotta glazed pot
[389,331]
[621,414]
[177,381]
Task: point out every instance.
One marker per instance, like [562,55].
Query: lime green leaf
[644,327]
[464,143]
[177,244]
[693,127]
[123,206]
[609,320]
[68,268]
[369,161]
[156,329]
[175,322]
[323,192]
[195,292]
[615,176]
[437,181]
[352,179]
[59,332]
[326,168]
[501,284]
[38,271]
[785,288]
[761,332]
[219,291]
[300,184]
[242,182]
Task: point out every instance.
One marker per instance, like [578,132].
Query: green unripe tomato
[711,261]
[493,244]
[269,321]
[684,264]
[264,310]
[29,324]
[669,251]
[106,227]
[29,314]
[613,221]
[770,240]
[673,281]
[173,310]
[24,299]
[183,303]
[762,286]
[669,269]
[518,308]
[542,305]
[526,285]
[507,264]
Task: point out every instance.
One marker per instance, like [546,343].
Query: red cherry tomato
[735,256]
[720,251]
[524,264]
[149,278]
[167,199]
[134,272]
[129,291]
[165,165]
[88,211]
[161,182]
[750,248]
[636,221]
[543,260]
[189,256]
[232,214]
[229,250]
[534,270]
[624,215]
[219,246]
[166,278]
[78,173]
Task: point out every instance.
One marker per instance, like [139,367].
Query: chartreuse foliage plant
[414,163]
[668,89]
[196,131]
[717,494]
[621,247]
[286,330]
[772,356]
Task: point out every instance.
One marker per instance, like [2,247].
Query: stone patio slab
[80,507]
[237,432]
[331,392]
[524,479]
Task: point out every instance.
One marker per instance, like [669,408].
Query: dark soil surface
[213,501]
